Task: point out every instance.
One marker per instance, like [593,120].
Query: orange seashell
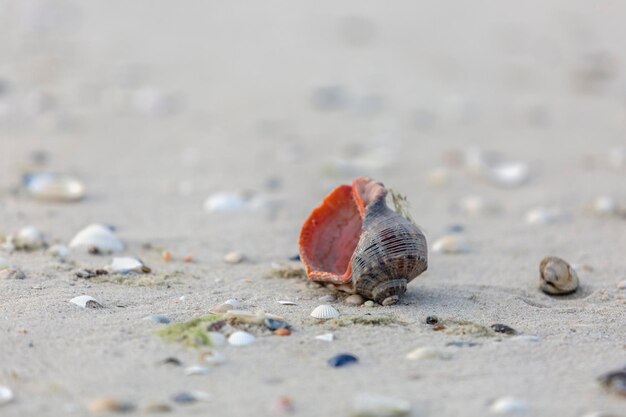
[354,238]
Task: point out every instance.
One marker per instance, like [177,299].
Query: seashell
[98,239]
[86,301]
[557,277]
[196,370]
[354,238]
[234,257]
[109,405]
[374,405]
[342,359]
[369,303]
[325,312]
[127,265]
[213,357]
[543,215]
[273,324]
[241,338]
[509,405]
[355,299]
[47,186]
[225,202]
[326,337]
[28,238]
[58,251]
[426,352]
[287,303]
[614,381]
[6,395]
[244,316]
[451,244]
[12,273]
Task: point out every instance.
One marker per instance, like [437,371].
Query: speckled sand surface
[244,76]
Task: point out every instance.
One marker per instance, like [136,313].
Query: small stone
[196,370]
[355,299]
[369,303]
[58,251]
[342,359]
[281,405]
[438,326]
[614,381]
[451,244]
[171,361]
[503,328]
[12,273]
[426,352]
[282,332]
[90,273]
[109,405]
[509,405]
[166,256]
[157,408]
[295,257]
[462,343]
[28,238]
[374,405]
[234,257]
[188,258]
[47,186]
[273,324]
[184,398]
[543,215]
[326,337]
[158,318]
[432,320]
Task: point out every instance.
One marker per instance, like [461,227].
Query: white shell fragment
[241,338]
[54,187]
[325,312]
[543,215]
[97,238]
[233,302]
[234,257]
[127,266]
[374,405]
[6,395]
[86,301]
[557,277]
[225,202]
[196,370]
[451,244]
[28,238]
[509,405]
[287,303]
[326,337]
[426,352]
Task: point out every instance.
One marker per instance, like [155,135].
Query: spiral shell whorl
[390,253]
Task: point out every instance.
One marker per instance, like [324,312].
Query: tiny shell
[426,352]
[97,238]
[325,312]
[234,257]
[287,303]
[128,265]
[543,215]
[47,186]
[86,301]
[557,277]
[451,244]
[28,238]
[6,395]
[241,338]
[196,370]
[326,337]
[374,405]
[509,405]
[273,324]
[355,299]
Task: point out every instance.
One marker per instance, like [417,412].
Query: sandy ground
[417,81]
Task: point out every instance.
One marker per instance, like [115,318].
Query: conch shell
[354,238]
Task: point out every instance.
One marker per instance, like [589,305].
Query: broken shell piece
[374,405]
[28,238]
[426,352]
[451,244]
[509,405]
[196,370]
[86,301]
[326,337]
[6,395]
[287,303]
[127,266]
[234,257]
[97,239]
[543,215]
[47,186]
[355,300]
[354,238]
[243,316]
[557,277]
[325,312]
[241,338]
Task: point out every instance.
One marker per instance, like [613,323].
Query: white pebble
[97,238]
[426,352]
[6,395]
[225,203]
[234,257]
[326,337]
[375,405]
[543,215]
[451,244]
[127,265]
[509,405]
[196,370]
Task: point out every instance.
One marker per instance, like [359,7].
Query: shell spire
[354,238]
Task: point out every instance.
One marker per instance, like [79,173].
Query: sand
[418,81]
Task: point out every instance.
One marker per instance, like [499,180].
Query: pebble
[509,405]
[451,244]
[614,381]
[46,186]
[426,352]
[543,215]
[6,395]
[503,328]
[375,405]
[196,370]
[128,265]
[477,206]
[355,299]
[12,273]
[58,251]
[234,257]
[158,318]
[90,273]
[155,407]
[462,343]
[605,206]
[342,359]
[369,303]
[326,337]
[97,239]
[166,256]
[190,397]
[109,405]
[225,202]
[432,320]
[282,332]
[28,238]
[241,338]
[274,324]
[86,301]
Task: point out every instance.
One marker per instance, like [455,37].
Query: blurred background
[157,105]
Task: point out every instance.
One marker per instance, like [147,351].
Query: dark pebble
[432,320]
[455,228]
[171,361]
[462,343]
[274,324]
[184,398]
[342,360]
[614,381]
[503,328]
[295,257]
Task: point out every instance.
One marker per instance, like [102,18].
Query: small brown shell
[353,237]
[557,277]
